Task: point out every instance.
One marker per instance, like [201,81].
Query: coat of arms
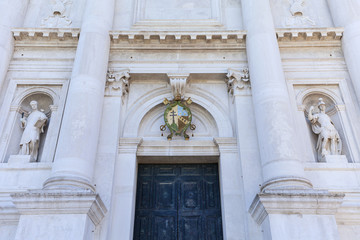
[177,117]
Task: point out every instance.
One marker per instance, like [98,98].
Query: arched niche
[45,102]
[154,118]
[332,104]
[201,101]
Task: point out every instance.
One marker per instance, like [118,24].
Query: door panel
[176,202]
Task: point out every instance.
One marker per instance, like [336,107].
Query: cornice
[309,34]
[287,201]
[45,33]
[64,202]
[192,39]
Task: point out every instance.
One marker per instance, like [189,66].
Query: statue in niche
[33,125]
[329,142]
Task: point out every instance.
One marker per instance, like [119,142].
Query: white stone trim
[45,33]
[294,202]
[296,34]
[150,147]
[129,145]
[39,202]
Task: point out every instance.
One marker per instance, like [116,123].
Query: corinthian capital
[238,81]
[117,83]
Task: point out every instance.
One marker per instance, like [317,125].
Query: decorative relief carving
[178,84]
[117,83]
[33,126]
[238,81]
[329,142]
[298,18]
[57,19]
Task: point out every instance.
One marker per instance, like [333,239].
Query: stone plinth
[21,159]
[297,214]
[58,215]
[335,159]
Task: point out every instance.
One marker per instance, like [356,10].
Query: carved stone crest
[177,115]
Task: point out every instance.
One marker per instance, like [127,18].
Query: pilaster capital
[39,202]
[178,84]
[129,145]
[288,201]
[226,144]
[117,83]
[238,81]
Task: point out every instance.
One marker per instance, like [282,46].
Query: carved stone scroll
[117,83]
[237,81]
[178,84]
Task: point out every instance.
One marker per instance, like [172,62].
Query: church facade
[169,119]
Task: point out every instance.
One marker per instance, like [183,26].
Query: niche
[44,104]
[332,111]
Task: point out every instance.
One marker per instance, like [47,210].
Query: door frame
[133,151]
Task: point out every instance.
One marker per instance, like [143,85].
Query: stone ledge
[179,37]
[349,211]
[309,34]
[45,33]
[40,202]
[314,202]
[152,147]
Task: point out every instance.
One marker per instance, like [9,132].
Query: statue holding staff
[329,142]
[33,125]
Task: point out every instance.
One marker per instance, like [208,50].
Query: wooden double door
[178,202]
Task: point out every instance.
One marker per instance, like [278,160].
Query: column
[287,207]
[77,145]
[12,14]
[124,190]
[345,14]
[280,158]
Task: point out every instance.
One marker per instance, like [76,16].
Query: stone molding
[178,148]
[226,144]
[129,145]
[177,37]
[45,33]
[349,211]
[39,202]
[178,84]
[185,37]
[309,34]
[117,83]
[238,82]
[287,201]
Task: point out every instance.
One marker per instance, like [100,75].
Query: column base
[297,214]
[46,214]
[68,183]
[286,183]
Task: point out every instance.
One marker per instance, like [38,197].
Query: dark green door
[178,202]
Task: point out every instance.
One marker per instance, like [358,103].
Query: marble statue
[329,142]
[33,125]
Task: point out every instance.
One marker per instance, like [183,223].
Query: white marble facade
[100,70]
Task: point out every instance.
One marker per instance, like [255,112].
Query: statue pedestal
[21,159]
[335,159]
